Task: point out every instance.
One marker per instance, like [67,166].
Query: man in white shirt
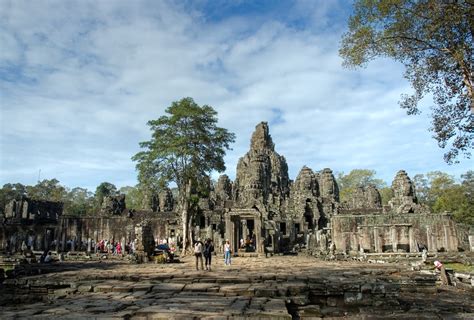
[198,254]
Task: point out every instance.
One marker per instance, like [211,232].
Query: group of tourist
[115,248]
[206,249]
[248,244]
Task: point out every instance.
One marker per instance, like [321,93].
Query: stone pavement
[280,287]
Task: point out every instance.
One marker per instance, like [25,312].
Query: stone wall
[27,209]
[394,232]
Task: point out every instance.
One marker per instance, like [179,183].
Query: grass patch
[459,267]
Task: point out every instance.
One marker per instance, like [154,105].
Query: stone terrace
[280,287]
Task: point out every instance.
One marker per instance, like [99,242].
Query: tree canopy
[104,189]
[434,40]
[185,147]
[358,178]
[441,193]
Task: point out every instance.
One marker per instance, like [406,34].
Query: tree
[104,189]
[441,193]
[79,202]
[355,179]
[422,188]
[134,197]
[185,147]
[49,190]
[468,184]
[434,40]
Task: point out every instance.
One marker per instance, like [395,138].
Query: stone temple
[263,207]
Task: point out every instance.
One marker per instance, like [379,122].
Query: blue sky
[80,79]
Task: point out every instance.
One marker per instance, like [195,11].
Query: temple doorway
[308,215]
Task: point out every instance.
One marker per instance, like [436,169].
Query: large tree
[185,147]
[348,183]
[103,190]
[79,202]
[434,40]
[49,190]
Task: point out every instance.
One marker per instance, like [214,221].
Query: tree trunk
[185,216]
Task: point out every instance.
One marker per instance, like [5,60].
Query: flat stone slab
[252,288]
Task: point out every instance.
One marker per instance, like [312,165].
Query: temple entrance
[244,230]
[308,216]
[247,236]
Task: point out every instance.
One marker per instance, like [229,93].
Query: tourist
[227,252]
[208,250]
[48,258]
[118,248]
[198,253]
[29,255]
[444,276]
[43,256]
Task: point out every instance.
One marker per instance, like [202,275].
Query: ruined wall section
[365,198]
[394,232]
[37,211]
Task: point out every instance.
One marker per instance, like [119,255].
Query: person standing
[227,252]
[198,254]
[208,250]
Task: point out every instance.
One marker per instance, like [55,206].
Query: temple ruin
[262,206]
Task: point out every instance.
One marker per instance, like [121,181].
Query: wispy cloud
[80,79]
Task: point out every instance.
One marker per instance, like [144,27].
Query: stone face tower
[262,174]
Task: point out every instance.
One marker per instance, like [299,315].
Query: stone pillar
[258,233]
[451,240]
[228,226]
[394,238]
[411,239]
[89,243]
[377,242]
[429,239]
[471,242]
[145,242]
[245,230]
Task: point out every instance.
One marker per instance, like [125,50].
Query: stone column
[411,240]
[471,242]
[245,230]
[394,238]
[258,233]
[429,239]
[377,242]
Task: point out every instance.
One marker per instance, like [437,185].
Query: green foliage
[441,193]
[431,186]
[386,194]
[433,39]
[186,145]
[104,189]
[49,190]
[79,202]
[357,178]
[134,197]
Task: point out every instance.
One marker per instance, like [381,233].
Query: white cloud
[81,79]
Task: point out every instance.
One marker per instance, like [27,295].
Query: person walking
[208,250]
[198,253]
[227,252]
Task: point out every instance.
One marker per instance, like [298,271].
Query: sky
[80,79]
